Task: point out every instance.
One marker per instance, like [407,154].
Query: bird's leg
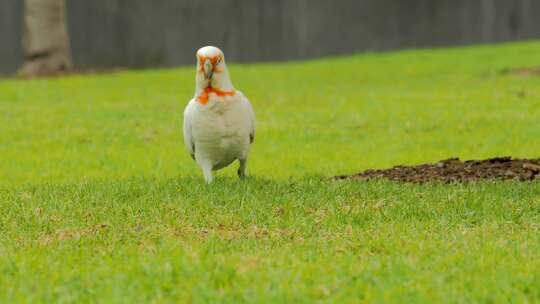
[207,172]
[242,168]
[208,177]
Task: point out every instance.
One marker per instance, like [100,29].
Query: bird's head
[211,69]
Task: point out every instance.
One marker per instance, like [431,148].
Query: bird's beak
[208,69]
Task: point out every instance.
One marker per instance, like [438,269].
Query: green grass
[99,202]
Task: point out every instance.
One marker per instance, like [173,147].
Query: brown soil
[72,72]
[65,73]
[455,170]
[534,71]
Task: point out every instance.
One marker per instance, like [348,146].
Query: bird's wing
[251,119]
[188,138]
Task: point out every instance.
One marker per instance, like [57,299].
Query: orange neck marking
[203,98]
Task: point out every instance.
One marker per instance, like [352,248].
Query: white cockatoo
[219,122]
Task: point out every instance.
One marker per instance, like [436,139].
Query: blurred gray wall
[10,35]
[141,33]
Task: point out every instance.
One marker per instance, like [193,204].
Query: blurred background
[44,36]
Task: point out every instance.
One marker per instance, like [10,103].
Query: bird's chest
[218,122]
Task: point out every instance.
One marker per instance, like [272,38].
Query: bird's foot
[242,168]
[241,174]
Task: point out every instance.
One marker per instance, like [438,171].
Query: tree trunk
[45,38]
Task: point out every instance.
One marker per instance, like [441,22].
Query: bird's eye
[219,60]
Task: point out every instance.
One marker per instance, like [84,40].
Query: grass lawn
[100,203]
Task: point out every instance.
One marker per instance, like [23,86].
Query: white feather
[220,130]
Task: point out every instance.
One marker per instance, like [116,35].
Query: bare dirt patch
[65,73]
[455,170]
[522,71]
[73,72]
[74,234]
